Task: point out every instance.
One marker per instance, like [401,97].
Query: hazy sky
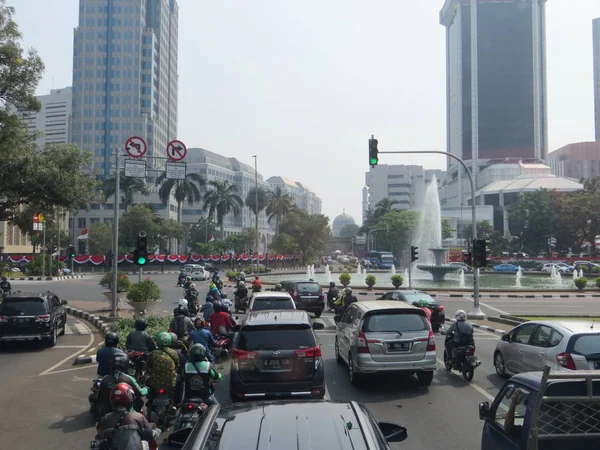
[303,84]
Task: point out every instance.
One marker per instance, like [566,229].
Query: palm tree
[221,200]
[128,187]
[279,204]
[384,206]
[263,196]
[187,189]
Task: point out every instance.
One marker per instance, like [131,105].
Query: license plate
[161,401]
[95,445]
[189,417]
[274,364]
[398,346]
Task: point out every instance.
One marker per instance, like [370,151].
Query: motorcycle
[181,280]
[191,411]
[160,410]
[193,306]
[464,361]
[330,304]
[137,366]
[221,347]
[96,407]
[240,304]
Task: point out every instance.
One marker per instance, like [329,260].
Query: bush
[232,274]
[397,280]
[596,269]
[581,283]
[144,291]
[123,283]
[124,326]
[598,282]
[345,279]
[36,265]
[370,280]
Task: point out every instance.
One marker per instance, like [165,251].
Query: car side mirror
[236,328]
[318,326]
[505,338]
[484,410]
[63,302]
[393,432]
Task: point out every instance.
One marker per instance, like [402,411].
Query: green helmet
[278,287]
[423,303]
[163,339]
[198,352]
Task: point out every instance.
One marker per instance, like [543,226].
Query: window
[523,334]
[25,306]
[396,321]
[270,303]
[309,288]
[541,338]
[585,344]
[514,398]
[81,222]
[276,337]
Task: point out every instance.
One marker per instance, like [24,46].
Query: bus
[380,260]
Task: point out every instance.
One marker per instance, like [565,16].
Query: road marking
[326,396]
[472,384]
[82,328]
[69,346]
[493,309]
[69,370]
[83,349]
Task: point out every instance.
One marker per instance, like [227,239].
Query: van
[196,271]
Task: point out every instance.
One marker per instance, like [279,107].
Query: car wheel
[338,357]
[318,314]
[425,378]
[54,337]
[499,364]
[355,378]
[63,329]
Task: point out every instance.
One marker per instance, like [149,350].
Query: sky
[304,84]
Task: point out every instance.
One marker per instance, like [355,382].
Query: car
[291,424]
[276,354]
[586,266]
[196,272]
[438,313]
[385,336]
[307,295]
[559,268]
[32,317]
[562,345]
[506,268]
[567,268]
[269,300]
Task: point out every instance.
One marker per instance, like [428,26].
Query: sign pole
[44,249]
[58,236]
[115,264]
[409,275]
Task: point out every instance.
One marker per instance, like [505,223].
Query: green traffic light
[374,161]
[141,260]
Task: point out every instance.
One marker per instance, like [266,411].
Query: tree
[135,219]
[534,218]
[398,227]
[183,190]
[201,231]
[310,231]
[128,187]
[279,204]
[384,206]
[349,230]
[168,229]
[100,237]
[222,199]
[263,197]
[283,244]
[498,243]
[240,242]
[446,229]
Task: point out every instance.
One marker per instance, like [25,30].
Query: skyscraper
[496,80]
[124,76]
[596,35]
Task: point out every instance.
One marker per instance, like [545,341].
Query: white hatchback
[270,300]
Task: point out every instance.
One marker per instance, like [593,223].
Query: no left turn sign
[136,146]
[176,150]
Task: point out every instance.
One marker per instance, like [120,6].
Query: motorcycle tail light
[190,406]
[161,391]
[471,351]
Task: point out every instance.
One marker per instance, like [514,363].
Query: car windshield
[387,258]
[275,337]
[415,297]
[586,344]
[311,288]
[395,321]
[23,306]
[267,303]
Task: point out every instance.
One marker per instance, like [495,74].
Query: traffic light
[414,254]
[140,254]
[71,251]
[373,152]
[467,258]
[479,253]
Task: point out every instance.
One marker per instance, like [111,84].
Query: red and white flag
[84,234]
[211,238]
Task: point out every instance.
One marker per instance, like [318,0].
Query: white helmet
[183,302]
[193,286]
[460,315]
[241,284]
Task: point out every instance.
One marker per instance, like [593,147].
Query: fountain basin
[438,272]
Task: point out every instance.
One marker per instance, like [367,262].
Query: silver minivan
[385,336]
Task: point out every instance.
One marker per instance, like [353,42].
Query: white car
[269,300]
[561,269]
[196,271]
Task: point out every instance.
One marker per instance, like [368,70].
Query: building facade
[53,121]
[596,38]
[580,160]
[495,82]
[303,197]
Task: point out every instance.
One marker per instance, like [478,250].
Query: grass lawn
[559,318]
[13,274]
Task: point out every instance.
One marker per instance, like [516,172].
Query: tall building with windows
[596,38]
[495,83]
[303,197]
[124,76]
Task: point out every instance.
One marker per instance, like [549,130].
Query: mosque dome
[340,222]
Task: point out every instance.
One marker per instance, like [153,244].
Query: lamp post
[256,206]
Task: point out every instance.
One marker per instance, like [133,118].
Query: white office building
[302,196]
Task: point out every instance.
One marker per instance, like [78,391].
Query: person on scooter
[5,287]
[459,334]
[201,335]
[199,374]
[242,276]
[207,309]
[213,292]
[225,302]
[332,295]
[181,348]
[181,324]
[106,353]
[182,307]
[181,278]
[218,283]
[118,374]
[124,428]
[163,365]
[241,292]
[278,288]
[188,282]
[220,323]
[139,340]
[191,296]
[256,284]
[423,305]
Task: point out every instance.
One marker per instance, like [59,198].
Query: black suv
[438,312]
[307,295]
[277,354]
[286,425]
[32,317]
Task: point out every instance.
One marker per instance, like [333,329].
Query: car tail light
[362,343]
[295,293]
[43,318]
[243,354]
[3,319]
[430,342]
[161,391]
[566,361]
[314,352]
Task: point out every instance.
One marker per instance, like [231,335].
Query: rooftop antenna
[593,322]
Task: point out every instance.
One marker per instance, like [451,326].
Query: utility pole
[256,206]
[44,249]
[115,255]
[58,236]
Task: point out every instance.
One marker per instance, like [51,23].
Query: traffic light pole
[476,313]
[115,255]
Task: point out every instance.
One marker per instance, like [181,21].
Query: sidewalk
[102,308]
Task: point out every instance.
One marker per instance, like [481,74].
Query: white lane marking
[472,384]
[493,309]
[69,370]
[69,346]
[82,328]
[83,349]
[326,396]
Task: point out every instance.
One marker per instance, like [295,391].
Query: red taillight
[43,318]
[441,308]
[471,351]
[190,406]
[161,391]
[430,342]
[3,319]
[362,343]
[566,360]
[314,352]
[243,354]
[295,294]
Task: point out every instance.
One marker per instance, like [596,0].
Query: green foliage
[310,231]
[534,215]
[263,197]
[345,279]
[220,200]
[123,282]
[384,207]
[581,283]
[400,224]
[397,280]
[135,219]
[125,325]
[349,230]
[199,234]
[128,187]
[183,190]
[370,280]
[145,291]
[100,237]
[232,274]
[597,281]
[283,244]
[279,204]
[52,267]
[240,243]
[252,269]
[446,229]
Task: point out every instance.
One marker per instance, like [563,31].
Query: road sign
[175,170]
[40,218]
[360,240]
[36,218]
[176,150]
[135,168]
[136,146]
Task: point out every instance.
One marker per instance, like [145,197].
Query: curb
[482,327]
[97,321]
[67,277]
[84,360]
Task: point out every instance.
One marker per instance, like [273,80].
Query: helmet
[174,338]
[212,286]
[122,395]
[217,306]
[163,339]
[140,324]
[198,352]
[111,339]
[3,278]
[278,286]
[223,295]
[183,302]
[331,284]
[193,286]
[241,284]
[415,303]
[460,315]
[199,322]
[256,277]
[188,278]
[348,290]
[423,303]
[119,363]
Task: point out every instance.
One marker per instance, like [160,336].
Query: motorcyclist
[213,292]
[349,297]
[217,281]
[106,353]
[192,297]
[220,322]
[139,340]
[182,307]
[163,365]
[422,304]
[123,428]
[181,324]
[188,282]
[256,284]
[207,310]
[242,276]
[202,335]
[226,302]
[181,349]
[199,374]
[242,290]
[459,334]
[181,278]
[332,294]
[5,286]
[278,288]
[118,374]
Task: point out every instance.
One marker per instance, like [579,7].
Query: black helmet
[223,295]
[119,363]
[198,353]
[3,278]
[111,339]
[140,324]
[218,307]
[331,284]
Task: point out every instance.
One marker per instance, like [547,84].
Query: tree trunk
[222,223]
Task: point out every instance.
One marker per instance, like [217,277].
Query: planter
[141,307]
[121,296]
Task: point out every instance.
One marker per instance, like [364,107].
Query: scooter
[189,414]
[160,409]
[464,360]
[137,366]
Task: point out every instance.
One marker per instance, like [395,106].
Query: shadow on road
[71,424]
[22,347]
[496,380]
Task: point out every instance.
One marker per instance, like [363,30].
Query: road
[50,394]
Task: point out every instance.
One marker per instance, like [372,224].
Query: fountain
[308,271]
[429,235]
[518,277]
[574,275]
[358,270]
[558,278]
[393,270]
[461,280]
[364,272]
[580,273]
[555,275]
[312,271]
[328,273]
[405,276]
